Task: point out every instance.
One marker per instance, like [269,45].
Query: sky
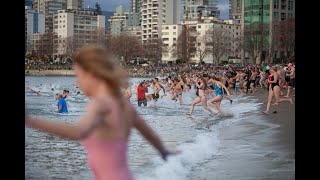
[110,5]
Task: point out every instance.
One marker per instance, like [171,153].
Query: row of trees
[258,41]
[216,42]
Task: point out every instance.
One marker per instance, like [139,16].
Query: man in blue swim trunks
[62,104]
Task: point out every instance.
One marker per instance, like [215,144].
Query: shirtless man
[178,90]
[237,85]
[157,88]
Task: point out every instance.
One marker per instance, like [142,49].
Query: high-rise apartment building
[235,10]
[49,7]
[195,9]
[198,35]
[170,34]
[136,6]
[267,14]
[75,4]
[122,19]
[34,24]
[76,28]
[154,14]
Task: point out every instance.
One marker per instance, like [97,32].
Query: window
[174,27]
[283,4]
[174,33]
[174,39]
[283,16]
[290,5]
[199,26]
[276,4]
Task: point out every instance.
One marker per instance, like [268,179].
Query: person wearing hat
[292,82]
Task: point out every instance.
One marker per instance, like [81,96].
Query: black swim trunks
[155,96]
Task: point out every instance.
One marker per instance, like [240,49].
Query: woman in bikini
[201,97]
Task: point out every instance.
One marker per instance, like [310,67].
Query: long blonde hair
[102,64]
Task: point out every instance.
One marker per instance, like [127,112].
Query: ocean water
[198,138]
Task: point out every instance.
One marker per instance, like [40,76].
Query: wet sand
[258,147]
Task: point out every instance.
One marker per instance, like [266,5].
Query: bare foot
[275,104]
[291,100]
[188,113]
[286,96]
[265,112]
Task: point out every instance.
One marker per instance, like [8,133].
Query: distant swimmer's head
[52,89]
[94,66]
[59,96]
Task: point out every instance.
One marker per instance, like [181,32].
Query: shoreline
[259,147]
[69,73]
[49,73]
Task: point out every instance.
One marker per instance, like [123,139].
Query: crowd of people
[222,82]
[105,127]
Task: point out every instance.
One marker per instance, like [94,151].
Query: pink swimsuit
[108,160]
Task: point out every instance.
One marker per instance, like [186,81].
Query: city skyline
[110,5]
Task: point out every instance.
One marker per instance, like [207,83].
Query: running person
[219,96]
[201,97]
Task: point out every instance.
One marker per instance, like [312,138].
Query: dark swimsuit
[274,84]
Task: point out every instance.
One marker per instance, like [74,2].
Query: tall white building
[170,34]
[154,13]
[199,31]
[49,7]
[79,27]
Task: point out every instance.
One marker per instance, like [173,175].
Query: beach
[257,148]
[248,145]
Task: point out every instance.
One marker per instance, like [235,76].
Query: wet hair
[102,65]
[217,78]
[204,82]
